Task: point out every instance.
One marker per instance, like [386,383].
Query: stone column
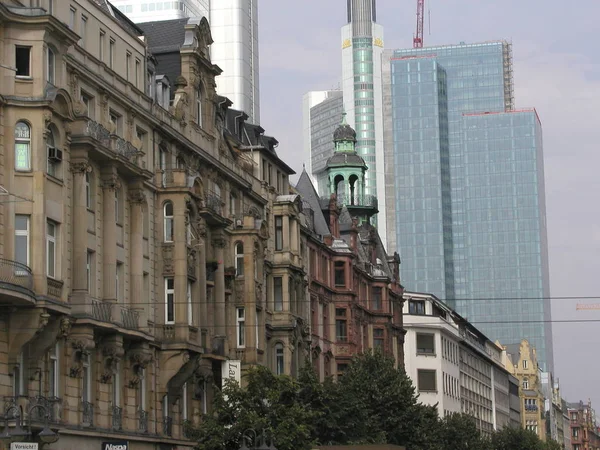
[180,261]
[80,169]
[137,200]
[110,184]
[200,297]
[219,242]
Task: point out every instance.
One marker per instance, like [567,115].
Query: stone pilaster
[219,242]
[137,200]
[110,184]
[79,170]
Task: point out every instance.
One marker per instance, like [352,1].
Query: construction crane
[418,39]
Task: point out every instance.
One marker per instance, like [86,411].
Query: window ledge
[426,354]
[23,79]
[54,179]
[25,173]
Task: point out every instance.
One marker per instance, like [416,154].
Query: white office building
[234,29]
[454,365]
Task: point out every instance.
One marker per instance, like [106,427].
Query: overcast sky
[556,70]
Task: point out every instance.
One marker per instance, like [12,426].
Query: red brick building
[354,287]
[585,434]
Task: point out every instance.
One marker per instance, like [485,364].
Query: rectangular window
[426,380]
[72,15]
[83,31]
[118,281]
[89,268]
[416,307]
[117,206]
[22,239]
[50,66]
[111,53]
[101,44]
[376,301]
[86,386]
[270,171]
[340,273]
[257,327]
[51,228]
[278,293]
[241,327]
[88,101]
[189,303]
[117,384]
[341,325]
[341,368]
[23,61]
[138,65]
[143,387]
[324,269]
[116,122]
[278,232]
[128,66]
[53,372]
[378,338]
[525,365]
[425,344]
[264,168]
[279,359]
[18,379]
[184,402]
[169,301]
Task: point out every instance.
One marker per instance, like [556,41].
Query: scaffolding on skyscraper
[509,95]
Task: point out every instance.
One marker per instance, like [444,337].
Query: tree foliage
[373,403]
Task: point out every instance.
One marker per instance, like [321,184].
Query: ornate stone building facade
[353,285]
[149,243]
[521,361]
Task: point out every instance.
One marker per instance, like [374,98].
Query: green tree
[268,402]
[459,432]
[516,439]
[378,404]
[551,444]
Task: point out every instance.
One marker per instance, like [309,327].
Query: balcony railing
[143,421]
[214,203]
[129,318]
[101,310]
[359,201]
[168,426]
[15,273]
[49,406]
[532,408]
[88,413]
[117,418]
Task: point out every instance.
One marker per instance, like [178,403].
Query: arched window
[168,223]
[279,368]
[50,66]
[22,146]
[199,107]
[239,259]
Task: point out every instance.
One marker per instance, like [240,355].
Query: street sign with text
[24,446]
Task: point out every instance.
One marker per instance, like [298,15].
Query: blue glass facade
[469,190]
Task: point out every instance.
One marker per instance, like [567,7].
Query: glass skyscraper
[464,173]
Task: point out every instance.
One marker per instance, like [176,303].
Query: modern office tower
[234,29]
[465,180]
[150,11]
[362,47]
[321,116]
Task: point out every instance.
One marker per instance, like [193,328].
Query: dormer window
[416,307]
[163,91]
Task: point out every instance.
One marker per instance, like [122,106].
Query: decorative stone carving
[111,182]
[47,118]
[80,346]
[65,327]
[74,83]
[80,167]
[137,196]
[112,354]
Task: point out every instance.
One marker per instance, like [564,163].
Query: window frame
[83,31]
[23,141]
[199,109]
[51,242]
[339,267]
[168,222]
[29,74]
[54,371]
[341,324]
[190,311]
[419,381]
[278,301]
[378,339]
[89,268]
[416,311]
[279,359]
[423,350]
[278,233]
[239,259]
[240,327]
[23,233]
[52,167]
[86,384]
[50,66]
[169,301]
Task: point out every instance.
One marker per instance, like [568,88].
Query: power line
[210,302]
[246,325]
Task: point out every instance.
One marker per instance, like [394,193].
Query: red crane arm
[418,40]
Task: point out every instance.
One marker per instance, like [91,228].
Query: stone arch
[61,104]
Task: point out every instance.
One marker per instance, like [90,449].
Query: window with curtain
[22,146]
